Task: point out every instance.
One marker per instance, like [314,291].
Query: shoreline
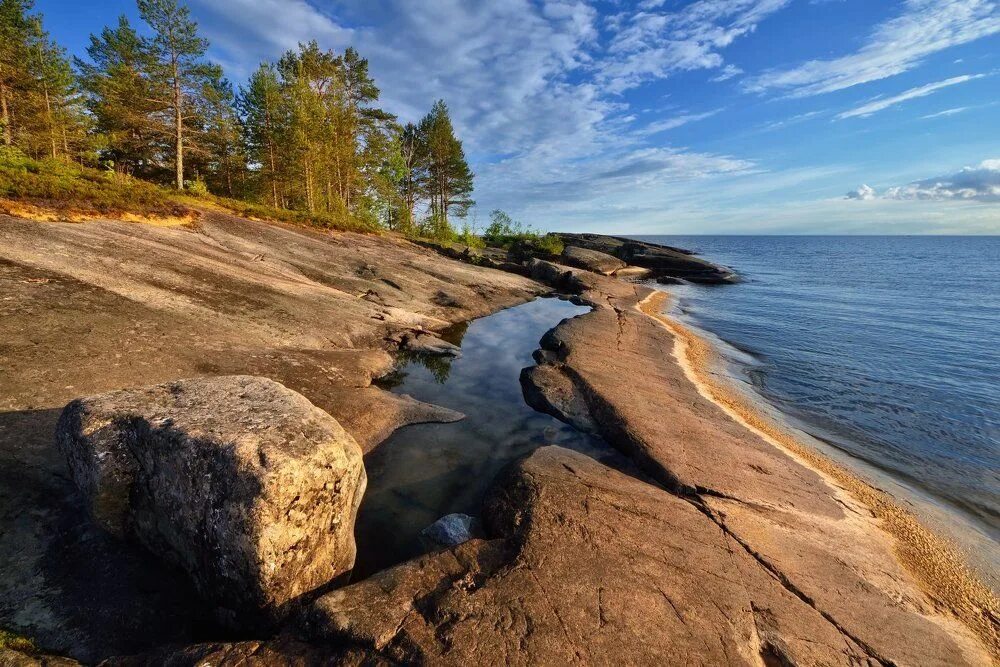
[940,571]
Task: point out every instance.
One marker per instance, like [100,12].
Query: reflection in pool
[425,471]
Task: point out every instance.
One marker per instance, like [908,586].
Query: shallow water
[425,471]
[888,348]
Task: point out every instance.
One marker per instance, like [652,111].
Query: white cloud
[880,104]
[980,184]
[864,193]
[946,112]
[898,45]
[653,44]
[519,76]
[728,72]
[665,124]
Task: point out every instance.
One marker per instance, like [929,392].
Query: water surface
[886,347]
[425,471]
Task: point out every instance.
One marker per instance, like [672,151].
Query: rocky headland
[183,415]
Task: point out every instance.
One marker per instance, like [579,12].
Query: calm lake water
[425,471]
[888,348]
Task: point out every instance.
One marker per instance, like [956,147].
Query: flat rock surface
[93,307]
[590,566]
[723,549]
[592,260]
[800,529]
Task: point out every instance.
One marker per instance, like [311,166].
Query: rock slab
[246,485]
[592,260]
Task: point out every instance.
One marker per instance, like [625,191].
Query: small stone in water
[451,530]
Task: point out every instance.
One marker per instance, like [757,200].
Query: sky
[669,117]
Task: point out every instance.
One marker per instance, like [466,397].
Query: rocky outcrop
[590,566]
[660,259]
[95,307]
[592,260]
[244,484]
[823,547]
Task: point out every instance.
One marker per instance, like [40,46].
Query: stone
[451,530]
[244,484]
[425,343]
[633,273]
[592,260]
[548,389]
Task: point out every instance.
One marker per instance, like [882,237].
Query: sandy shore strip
[941,572]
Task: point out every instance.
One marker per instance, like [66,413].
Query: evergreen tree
[15,28]
[39,108]
[221,147]
[413,152]
[126,102]
[261,106]
[176,56]
[448,181]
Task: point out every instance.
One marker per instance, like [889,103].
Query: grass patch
[69,190]
[54,190]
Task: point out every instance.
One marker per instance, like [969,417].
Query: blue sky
[660,116]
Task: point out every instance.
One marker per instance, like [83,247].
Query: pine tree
[413,151]
[15,28]
[449,180]
[221,150]
[39,108]
[177,54]
[126,102]
[261,107]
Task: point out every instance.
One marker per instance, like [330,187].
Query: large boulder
[246,485]
[592,260]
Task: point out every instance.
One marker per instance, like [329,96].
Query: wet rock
[425,343]
[451,530]
[246,485]
[671,280]
[592,260]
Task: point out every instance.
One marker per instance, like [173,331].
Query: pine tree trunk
[178,127]
[307,166]
[8,136]
[48,120]
[270,153]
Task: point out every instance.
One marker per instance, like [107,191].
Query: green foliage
[504,232]
[469,238]
[69,187]
[304,141]
[196,188]
[12,157]
[39,109]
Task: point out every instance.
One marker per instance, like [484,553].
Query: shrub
[196,188]
[504,232]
